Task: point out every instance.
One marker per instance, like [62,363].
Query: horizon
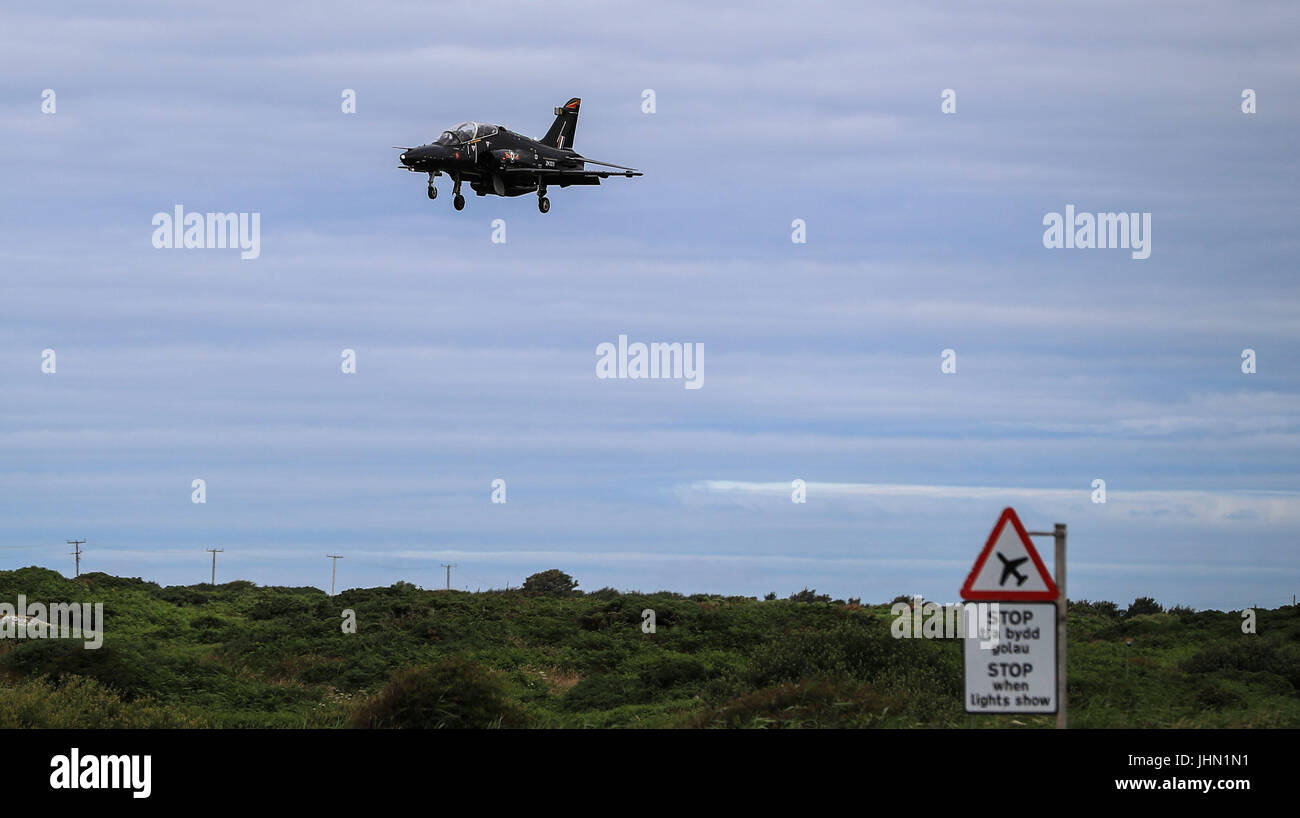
[579,591]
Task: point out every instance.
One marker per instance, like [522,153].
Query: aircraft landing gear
[543,203]
[459,201]
[433,192]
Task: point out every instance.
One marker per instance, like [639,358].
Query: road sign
[1011,662]
[1009,567]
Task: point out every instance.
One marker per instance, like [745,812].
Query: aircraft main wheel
[458,202]
[433,192]
[544,204]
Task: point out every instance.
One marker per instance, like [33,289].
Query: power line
[76,544]
[334,571]
[215,552]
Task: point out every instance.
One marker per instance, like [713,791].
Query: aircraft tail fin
[566,124]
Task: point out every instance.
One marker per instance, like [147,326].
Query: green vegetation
[553,581]
[239,655]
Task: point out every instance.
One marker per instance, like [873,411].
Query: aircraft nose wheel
[544,204]
[433,192]
[458,202]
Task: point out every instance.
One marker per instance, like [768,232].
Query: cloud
[1279,508]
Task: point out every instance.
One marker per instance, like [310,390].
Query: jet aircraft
[1009,569]
[497,161]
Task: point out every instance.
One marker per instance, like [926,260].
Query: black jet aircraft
[495,160]
[1009,570]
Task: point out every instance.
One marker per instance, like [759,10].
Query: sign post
[1062,608]
[1015,663]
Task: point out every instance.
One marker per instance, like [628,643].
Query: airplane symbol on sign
[1009,570]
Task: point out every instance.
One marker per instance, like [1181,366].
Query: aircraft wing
[558,175]
[598,162]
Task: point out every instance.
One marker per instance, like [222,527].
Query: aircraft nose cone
[416,157]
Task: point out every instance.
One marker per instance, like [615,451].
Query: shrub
[276,607]
[99,580]
[1267,682]
[604,692]
[812,703]
[1246,654]
[130,670]
[809,596]
[1143,605]
[857,650]
[83,704]
[181,595]
[1101,608]
[1214,695]
[39,584]
[670,670]
[455,693]
[213,629]
[553,581]
[597,620]
[1106,608]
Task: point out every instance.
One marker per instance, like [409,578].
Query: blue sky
[476,360]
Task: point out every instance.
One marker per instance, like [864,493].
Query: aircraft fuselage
[497,161]
[492,165]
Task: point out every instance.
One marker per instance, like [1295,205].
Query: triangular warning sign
[1009,568]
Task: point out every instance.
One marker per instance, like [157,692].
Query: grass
[240,655]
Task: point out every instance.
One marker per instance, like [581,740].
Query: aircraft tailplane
[566,124]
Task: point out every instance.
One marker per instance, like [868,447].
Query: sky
[476,359]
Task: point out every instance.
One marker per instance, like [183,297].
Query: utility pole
[449,567]
[76,544]
[215,552]
[334,572]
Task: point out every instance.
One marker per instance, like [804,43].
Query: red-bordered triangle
[1003,578]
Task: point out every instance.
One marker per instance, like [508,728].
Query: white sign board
[1011,661]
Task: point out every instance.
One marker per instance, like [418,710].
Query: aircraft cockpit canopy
[466,132]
